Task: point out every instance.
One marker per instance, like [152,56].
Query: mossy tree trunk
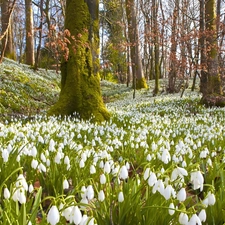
[211,86]
[80,83]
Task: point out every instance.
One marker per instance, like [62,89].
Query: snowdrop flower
[120,197]
[21,182]
[171,209]
[5,155]
[67,212]
[92,169]
[29,223]
[40,139]
[211,199]
[65,184]
[90,192]
[202,215]
[149,158]
[34,163]
[102,178]
[53,215]
[58,157]
[76,215]
[33,151]
[66,160]
[19,195]
[123,173]
[168,191]
[183,219]
[178,172]
[165,156]
[31,188]
[146,173]
[107,167]
[6,193]
[52,145]
[181,195]
[194,220]
[83,192]
[197,180]
[42,167]
[159,186]
[84,220]
[83,201]
[43,158]
[152,179]
[81,164]
[101,196]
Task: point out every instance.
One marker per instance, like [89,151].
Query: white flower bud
[6,193]
[53,215]
[120,197]
[101,196]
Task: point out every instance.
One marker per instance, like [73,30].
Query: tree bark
[137,70]
[210,78]
[80,83]
[8,48]
[29,33]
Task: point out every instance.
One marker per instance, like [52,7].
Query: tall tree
[210,78]
[133,33]
[29,33]
[80,83]
[8,49]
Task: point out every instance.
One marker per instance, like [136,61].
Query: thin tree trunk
[29,33]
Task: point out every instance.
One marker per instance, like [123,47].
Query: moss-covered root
[141,83]
[213,100]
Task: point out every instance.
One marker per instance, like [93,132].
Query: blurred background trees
[140,40]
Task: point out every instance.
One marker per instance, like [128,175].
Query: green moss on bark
[141,83]
[80,84]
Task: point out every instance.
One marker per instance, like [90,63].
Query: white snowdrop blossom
[178,172]
[202,215]
[102,178]
[101,196]
[107,167]
[194,220]
[31,188]
[211,198]
[197,180]
[76,215]
[65,184]
[92,169]
[120,197]
[168,191]
[165,156]
[67,212]
[90,192]
[181,195]
[171,209]
[6,193]
[34,163]
[53,215]
[123,173]
[5,155]
[183,219]
[81,164]
[21,182]
[152,179]
[146,173]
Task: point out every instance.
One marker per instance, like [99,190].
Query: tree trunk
[29,33]
[156,45]
[8,49]
[136,61]
[173,60]
[80,84]
[210,78]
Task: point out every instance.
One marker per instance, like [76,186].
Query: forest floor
[25,92]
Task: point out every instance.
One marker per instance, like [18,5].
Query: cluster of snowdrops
[154,162]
